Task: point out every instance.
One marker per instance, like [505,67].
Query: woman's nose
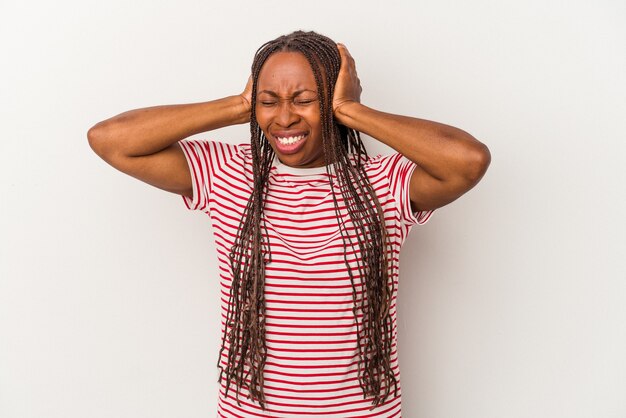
[286,116]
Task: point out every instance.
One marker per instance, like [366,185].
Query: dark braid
[345,155]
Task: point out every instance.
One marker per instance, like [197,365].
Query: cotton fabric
[311,368]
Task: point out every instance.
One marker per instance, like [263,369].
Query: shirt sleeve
[398,169]
[207,160]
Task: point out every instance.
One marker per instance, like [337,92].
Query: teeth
[290,140]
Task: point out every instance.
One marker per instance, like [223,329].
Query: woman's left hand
[348,87]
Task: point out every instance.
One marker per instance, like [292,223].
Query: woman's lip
[287,134]
[291,148]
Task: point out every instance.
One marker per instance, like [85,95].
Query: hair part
[345,155]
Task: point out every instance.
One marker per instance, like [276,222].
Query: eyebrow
[296,93]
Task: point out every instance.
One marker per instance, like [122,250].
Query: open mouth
[290,144]
[290,140]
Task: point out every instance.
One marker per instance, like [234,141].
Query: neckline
[297,171]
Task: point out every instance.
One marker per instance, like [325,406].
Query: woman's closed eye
[303,102]
[296,101]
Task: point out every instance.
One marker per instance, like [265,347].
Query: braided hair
[345,156]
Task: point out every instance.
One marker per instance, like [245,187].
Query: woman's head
[287,110]
[293,83]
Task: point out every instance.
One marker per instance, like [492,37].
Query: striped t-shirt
[311,367]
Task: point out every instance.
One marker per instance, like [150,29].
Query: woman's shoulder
[225,150]
[376,162]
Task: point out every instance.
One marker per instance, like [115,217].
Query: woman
[308,227]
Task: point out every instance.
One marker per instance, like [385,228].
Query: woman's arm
[144,142]
[449,161]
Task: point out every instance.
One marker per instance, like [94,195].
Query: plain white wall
[512,299]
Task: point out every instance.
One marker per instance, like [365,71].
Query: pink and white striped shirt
[311,368]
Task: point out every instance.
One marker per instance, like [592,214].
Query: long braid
[250,253]
[345,155]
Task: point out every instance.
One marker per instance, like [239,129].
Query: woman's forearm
[149,130]
[445,152]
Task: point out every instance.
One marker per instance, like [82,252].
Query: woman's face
[287,110]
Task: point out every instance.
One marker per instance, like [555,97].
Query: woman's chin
[298,160]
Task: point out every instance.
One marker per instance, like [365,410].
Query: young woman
[307,226]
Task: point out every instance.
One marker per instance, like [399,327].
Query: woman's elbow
[478,162]
[94,137]
[100,137]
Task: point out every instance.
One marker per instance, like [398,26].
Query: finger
[346,56]
[343,53]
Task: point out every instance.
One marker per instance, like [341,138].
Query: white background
[512,299]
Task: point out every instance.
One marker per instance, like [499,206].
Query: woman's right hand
[246,97]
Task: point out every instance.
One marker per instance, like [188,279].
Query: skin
[287,105]
[449,160]
[143,143]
